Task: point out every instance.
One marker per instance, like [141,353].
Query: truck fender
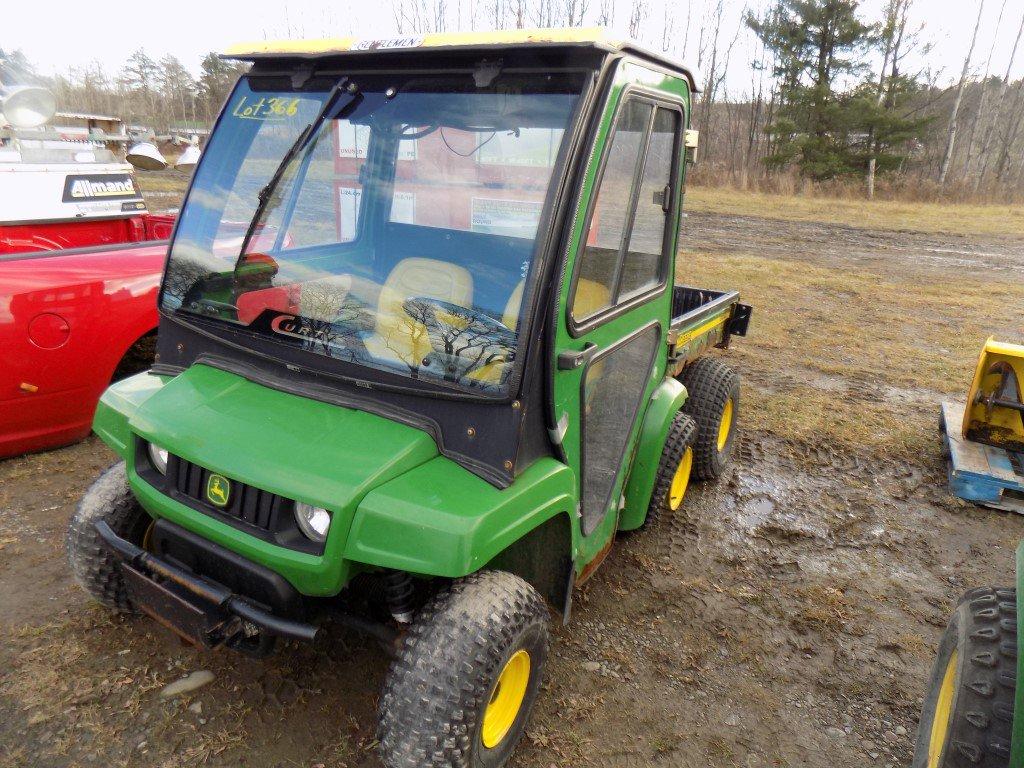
[666,401]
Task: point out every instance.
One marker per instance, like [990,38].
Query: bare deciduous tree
[954,114]
[637,16]
[980,111]
[986,143]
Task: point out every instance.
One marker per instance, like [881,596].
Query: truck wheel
[674,468]
[967,717]
[713,401]
[461,690]
[92,564]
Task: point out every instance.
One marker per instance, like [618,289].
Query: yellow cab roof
[592,37]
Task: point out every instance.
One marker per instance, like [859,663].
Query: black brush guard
[199,610]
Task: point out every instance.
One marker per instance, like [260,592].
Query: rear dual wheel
[967,718]
[675,469]
[713,401]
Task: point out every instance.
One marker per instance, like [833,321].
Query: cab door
[616,300]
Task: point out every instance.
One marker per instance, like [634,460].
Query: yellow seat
[491,373]
[510,317]
[590,296]
[397,336]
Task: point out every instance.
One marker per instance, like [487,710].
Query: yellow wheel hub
[506,699]
[943,709]
[725,425]
[680,480]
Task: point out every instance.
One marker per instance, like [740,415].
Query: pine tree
[138,81]
[817,45]
[216,80]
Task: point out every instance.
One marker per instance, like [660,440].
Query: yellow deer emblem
[218,490]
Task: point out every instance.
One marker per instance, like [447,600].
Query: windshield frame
[545,246]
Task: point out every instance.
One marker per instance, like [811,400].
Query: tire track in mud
[787,558]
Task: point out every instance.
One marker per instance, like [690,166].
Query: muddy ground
[786,618]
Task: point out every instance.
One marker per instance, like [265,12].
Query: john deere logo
[218,490]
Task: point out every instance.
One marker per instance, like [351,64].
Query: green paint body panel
[299,448]
[117,405]
[666,401]
[395,501]
[1017,738]
[441,519]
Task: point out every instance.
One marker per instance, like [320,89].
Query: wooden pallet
[982,474]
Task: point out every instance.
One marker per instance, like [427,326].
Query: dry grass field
[787,617]
[879,214]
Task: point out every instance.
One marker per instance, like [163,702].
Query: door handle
[571,359]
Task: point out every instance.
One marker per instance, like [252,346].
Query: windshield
[387,221]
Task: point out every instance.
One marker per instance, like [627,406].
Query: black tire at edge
[983,632]
[94,567]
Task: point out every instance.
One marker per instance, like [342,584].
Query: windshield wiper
[299,144]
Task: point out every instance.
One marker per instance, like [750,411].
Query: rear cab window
[625,254]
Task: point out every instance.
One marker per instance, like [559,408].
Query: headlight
[313,521]
[158,456]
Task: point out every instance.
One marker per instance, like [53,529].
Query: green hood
[302,449]
[299,448]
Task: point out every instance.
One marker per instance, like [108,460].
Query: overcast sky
[70,34]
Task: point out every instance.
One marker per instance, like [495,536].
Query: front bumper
[200,610]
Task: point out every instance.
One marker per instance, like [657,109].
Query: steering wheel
[463,339]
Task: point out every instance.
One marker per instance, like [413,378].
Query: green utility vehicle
[420,357]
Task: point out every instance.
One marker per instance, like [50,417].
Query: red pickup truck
[80,266]
[70,320]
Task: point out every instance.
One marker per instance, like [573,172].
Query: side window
[642,265]
[625,240]
[595,286]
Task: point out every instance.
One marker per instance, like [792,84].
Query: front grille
[251,505]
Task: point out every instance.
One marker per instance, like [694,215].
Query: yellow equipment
[995,405]
[986,454]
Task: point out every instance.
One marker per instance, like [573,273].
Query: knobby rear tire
[710,385]
[681,436]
